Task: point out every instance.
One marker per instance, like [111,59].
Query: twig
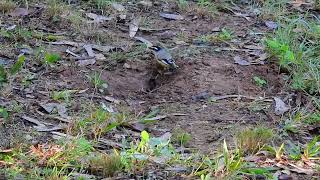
[34,121]
[216,98]
[110,143]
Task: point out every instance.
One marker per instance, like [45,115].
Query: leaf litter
[216,76]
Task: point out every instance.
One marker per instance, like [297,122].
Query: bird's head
[155,48]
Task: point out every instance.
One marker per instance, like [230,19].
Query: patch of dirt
[205,70]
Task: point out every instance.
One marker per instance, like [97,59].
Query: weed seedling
[259,81]
[55,9]
[51,58]
[4,113]
[181,137]
[312,149]
[65,95]
[252,140]
[206,8]
[106,165]
[98,83]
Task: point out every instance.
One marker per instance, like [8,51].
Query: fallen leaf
[240,61]
[153,29]
[165,137]
[133,27]
[300,170]
[271,25]
[65,42]
[171,16]
[127,66]
[112,99]
[44,152]
[104,48]
[97,18]
[110,143]
[72,53]
[89,50]
[152,119]
[280,106]
[246,16]
[118,7]
[34,121]
[58,135]
[100,57]
[141,39]
[145,3]
[49,107]
[86,62]
[137,126]
[11,27]
[47,129]
[108,108]
[19,12]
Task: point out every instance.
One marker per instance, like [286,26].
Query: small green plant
[143,145]
[4,113]
[54,9]
[16,67]
[312,149]
[259,81]
[312,119]
[183,4]
[225,35]
[206,8]
[105,165]
[65,95]
[70,152]
[291,126]
[294,151]
[228,163]
[3,75]
[252,140]
[282,51]
[206,177]
[95,79]
[51,58]
[100,122]
[278,152]
[273,9]
[181,137]
[157,148]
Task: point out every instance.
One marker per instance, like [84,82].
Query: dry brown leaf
[44,152]
[133,27]
[97,18]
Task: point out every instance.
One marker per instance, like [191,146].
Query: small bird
[164,58]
